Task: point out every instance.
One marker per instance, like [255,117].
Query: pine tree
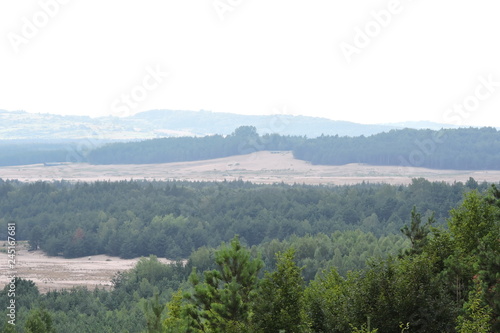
[175,322]
[280,305]
[417,233]
[39,321]
[222,302]
[153,310]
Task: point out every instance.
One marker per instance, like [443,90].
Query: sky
[361,61]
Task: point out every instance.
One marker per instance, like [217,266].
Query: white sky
[264,57]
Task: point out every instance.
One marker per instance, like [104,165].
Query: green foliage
[471,222]
[153,311]
[390,292]
[363,329]
[346,251]
[461,148]
[39,321]
[171,219]
[404,328]
[34,153]
[175,322]
[243,140]
[417,233]
[222,302]
[329,302]
[280,304]
[444,149]
[343,267]
[26,293]
[475,230]
[9,328]
[477,317]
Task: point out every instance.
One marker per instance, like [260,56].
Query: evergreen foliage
[463,148]
[172,219]
[222,301]
[336,276]
[280,304]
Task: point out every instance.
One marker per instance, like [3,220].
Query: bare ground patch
[56,273]
[261,167]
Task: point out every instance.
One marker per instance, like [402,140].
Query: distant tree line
[461,149]
[23,154]
[243,140]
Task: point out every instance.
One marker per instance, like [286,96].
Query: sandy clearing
[55,273]
[261,167]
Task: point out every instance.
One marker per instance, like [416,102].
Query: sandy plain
[263,167]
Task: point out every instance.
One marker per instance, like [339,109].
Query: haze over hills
[24,126]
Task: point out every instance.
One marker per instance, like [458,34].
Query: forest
[171,219]
[32,153]
[458,149]
[361,258]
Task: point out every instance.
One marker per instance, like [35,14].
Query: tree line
[461,149]
[172,219]
[243,140]
[32,153]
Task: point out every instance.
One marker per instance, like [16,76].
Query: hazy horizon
[394,123]
[368,62]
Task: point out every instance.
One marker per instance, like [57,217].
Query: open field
[51,273]
[261,167]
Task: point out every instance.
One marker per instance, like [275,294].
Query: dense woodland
[171,219]
[363,258]
[33,153]
[462,149]
[243,140]
[459,149]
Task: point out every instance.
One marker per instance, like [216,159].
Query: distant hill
[25,127]
[421,125]
[206,122]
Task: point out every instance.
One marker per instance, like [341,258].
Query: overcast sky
[361,61]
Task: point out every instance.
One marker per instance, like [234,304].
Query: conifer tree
[222,302]
[280,305]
